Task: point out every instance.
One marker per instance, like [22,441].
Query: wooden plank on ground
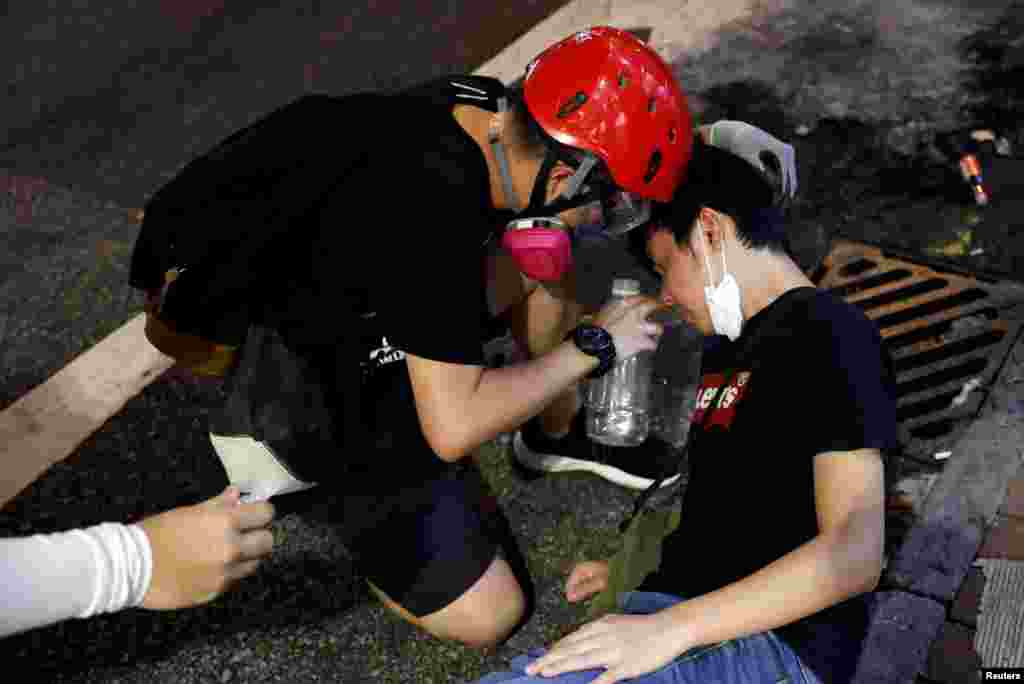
[50,422]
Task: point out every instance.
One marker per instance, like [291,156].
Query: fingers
[579,658]
[253,516]
[644,300]
[586,579]
[255,545]
[577,577]
[652,329]
[577,586]
[584,588]
[643,306]
[241,570]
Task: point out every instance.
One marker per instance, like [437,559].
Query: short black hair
[528,131]
[728,184]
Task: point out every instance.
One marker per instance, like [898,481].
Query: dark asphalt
[105,104]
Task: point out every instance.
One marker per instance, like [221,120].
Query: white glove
[755,146]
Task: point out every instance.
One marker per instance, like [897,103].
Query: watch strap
[605,361]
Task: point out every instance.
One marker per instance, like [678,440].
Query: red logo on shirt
[724,410]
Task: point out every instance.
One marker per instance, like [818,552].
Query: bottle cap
[625,287]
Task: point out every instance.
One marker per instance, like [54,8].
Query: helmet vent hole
[653,166]
[652,105]
[672,134]
[572,104]
[623,80]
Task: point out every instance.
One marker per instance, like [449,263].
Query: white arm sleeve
[47,578]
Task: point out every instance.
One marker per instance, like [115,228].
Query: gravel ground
[870,93]
[876,90]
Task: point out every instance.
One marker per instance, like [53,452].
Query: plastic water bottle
[619,402]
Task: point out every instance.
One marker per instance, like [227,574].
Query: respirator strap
[494,138]
[540,185]
[577,180]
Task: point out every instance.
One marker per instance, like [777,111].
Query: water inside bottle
[618,401]
[618,427]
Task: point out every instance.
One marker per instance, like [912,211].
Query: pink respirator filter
[541,248]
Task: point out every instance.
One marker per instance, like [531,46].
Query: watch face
[594,338]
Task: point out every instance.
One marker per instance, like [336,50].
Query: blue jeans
[758,659]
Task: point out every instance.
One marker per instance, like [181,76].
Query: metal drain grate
[948,333]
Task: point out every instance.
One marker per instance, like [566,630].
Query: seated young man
[781,539]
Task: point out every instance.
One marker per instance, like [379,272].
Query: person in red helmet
[355,254]
[612,110]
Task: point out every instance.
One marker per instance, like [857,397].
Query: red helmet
[604,91]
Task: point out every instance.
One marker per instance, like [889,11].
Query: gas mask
[537,240]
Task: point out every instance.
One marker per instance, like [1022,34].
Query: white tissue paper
[253,467]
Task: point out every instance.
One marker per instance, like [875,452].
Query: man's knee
[484,615]
[490,628]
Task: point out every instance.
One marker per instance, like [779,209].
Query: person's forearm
[47,578]
[825,571]
[509,396]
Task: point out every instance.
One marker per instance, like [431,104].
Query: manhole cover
[949,335]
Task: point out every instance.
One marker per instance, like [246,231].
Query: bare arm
[461,407]
[844,560]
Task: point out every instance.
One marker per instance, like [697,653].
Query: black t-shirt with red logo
[809,374]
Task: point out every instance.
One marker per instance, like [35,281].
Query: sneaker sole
[552,463]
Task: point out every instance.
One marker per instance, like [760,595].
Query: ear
[559,172]
[714,226]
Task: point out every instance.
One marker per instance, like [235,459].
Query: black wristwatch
[597,342]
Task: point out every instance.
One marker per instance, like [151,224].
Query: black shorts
[419,528]
[423,546]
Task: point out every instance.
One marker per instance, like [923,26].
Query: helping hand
[755,146]
[200,551]
[626,321]
[625,646]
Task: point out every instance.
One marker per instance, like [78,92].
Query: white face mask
[724,300]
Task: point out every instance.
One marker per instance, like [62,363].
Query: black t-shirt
[388,262]
[809,375]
